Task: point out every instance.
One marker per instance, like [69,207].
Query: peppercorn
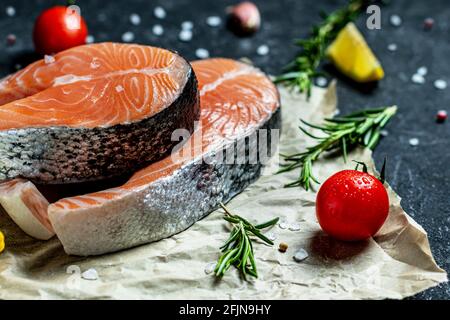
[283,247]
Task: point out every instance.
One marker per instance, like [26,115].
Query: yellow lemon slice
[352,56]
[2,242]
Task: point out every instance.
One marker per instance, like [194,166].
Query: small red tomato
[59,28]
[352,205]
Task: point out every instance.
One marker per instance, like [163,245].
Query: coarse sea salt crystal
[135,19]
[395,20]
[185,35]
[119,88]
[283,225]
[49,59]
[159,12]
[94,64]
[301,255]
[440,84]
[187,25]
[158,30]
[90,274]
[128,36]
[209,268]
[213,21]
[392,47]
[414,142]
[418,79]
[90,39]
[422,71]
[202,53]
[263,50]
[321,82]
[294,226]
[10,11]
[384,133]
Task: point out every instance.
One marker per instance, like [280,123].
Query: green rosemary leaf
[238,249]
[302,71]
[267,224]
[341,134]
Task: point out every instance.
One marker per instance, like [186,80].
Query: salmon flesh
[94,112]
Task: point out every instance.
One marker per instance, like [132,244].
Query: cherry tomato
[57,29]
[352,205]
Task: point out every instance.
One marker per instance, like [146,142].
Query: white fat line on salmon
[226,76]
[70,78]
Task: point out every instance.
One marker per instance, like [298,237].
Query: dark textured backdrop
[420,175]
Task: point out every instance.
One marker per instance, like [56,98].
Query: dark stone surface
[420,175]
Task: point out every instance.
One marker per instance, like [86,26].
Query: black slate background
[420,175]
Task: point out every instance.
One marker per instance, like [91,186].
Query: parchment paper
[395,264]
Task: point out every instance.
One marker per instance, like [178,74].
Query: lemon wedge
[353,57]
[2,242]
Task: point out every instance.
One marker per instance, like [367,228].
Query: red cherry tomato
[352,205]
[57,29]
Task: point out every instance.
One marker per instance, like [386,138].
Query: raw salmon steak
[239,106]
[93,112]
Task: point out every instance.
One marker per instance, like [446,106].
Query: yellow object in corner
[2,242]
[353,57]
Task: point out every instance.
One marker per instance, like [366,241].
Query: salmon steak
[239,124]
[93,112]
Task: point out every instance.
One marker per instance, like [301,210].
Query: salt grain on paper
[263,50]
[213,21]
[209,268]
[283,225]
[187,25]
[128,36]
[90,274]
[90,39]
[395,20]
[135,19]
[159,12]
[422,71]
[301,255]
[440,84]
[321,82]
[392,47]
[418,79]
[158,30]
[49,59]
[185,35]
[202,53]
[414,142]
[294,226]
[10,11]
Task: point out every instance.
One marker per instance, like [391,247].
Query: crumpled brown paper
[395,264]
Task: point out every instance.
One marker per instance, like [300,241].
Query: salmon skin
[94,112]
[170,195]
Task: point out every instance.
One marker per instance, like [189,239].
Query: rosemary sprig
[301,72]
[341,134]
[238,249]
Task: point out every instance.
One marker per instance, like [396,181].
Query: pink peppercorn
[441,116]
[428,23]
[11,39]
